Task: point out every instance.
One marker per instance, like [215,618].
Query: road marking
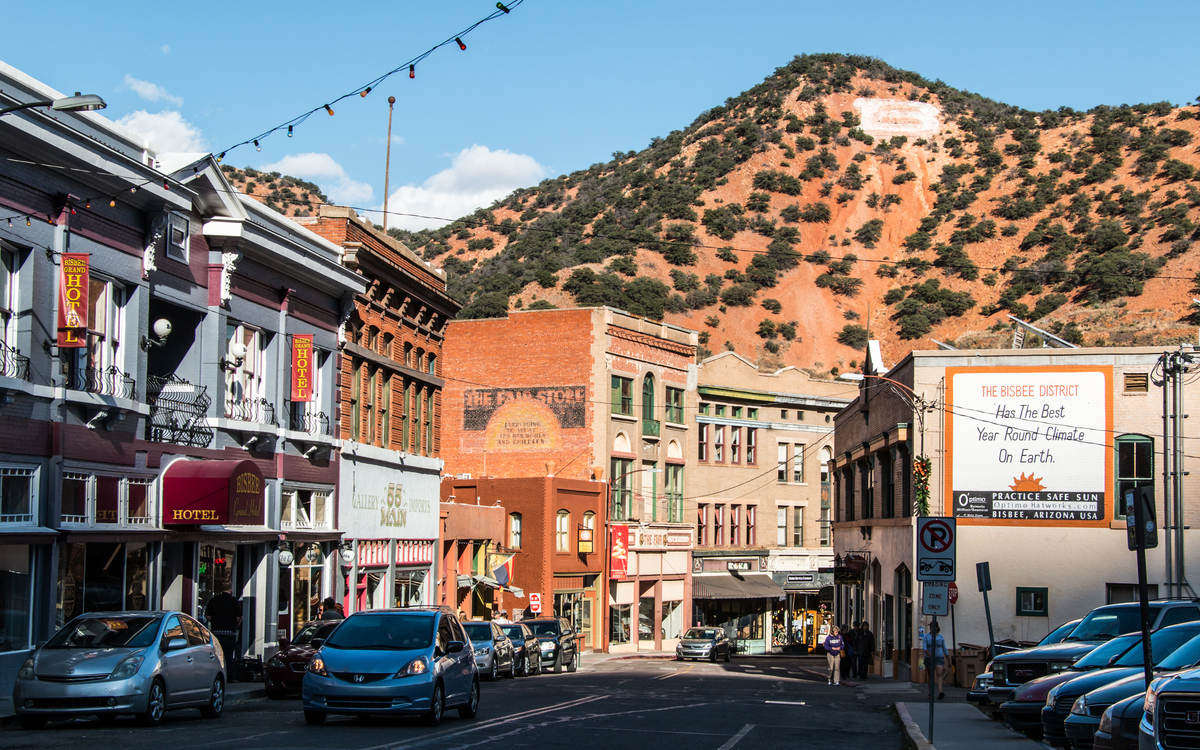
[736,738]
[787,703]
[674,673]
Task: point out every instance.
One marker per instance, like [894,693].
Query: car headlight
[482,650]
[1106,720]
[415,667]
[1052,697]
[26,671]
[1151,700]
[1079,707]
[276,662]
[317,666]
[548,646]
[127,668]
[1058,666]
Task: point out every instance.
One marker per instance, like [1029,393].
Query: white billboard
[381,501]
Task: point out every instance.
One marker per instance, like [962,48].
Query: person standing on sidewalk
[936,656]
[865,649]
[835,648]
[852,650]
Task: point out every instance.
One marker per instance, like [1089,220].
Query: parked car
[1088,709]
[704,643]
[978,692]
[1061,633]
[1118,728]
[1171,717]
[1101,624]
[112,663]
[393,662]
[285,670]
[494,652]
[1061,702]
[557,641]
[527,651]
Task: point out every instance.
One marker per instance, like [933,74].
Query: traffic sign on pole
[953,593]
[935,598]
[535,603]
[936,548]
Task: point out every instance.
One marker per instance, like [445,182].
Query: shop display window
[618,619]
[100,500]
[16,596]
[102,576]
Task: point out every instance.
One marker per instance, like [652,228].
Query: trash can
[969,662]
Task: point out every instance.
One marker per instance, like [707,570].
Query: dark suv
[1011,670]
[557,641]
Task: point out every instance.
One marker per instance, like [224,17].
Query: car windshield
[1162,645]
[1103,624]
[1059,635]
[702,633]
[514,632]
[383,631]
[478,631]
[543,628]
[134,631]
[1105,655]
[1187,655]
[315,630]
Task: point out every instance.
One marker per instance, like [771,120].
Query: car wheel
[573,664]
[29,721]
[494,672]
[314,717]
[156,705]
[437,706]
[512,670]
[727,655]
[678,657]
[216,701]
[712,656]
[558,663]
[471,708]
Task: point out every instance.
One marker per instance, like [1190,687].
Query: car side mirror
[317,643]
[453,647]
[176,644]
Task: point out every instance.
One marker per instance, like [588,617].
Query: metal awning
[471,581]
[730,586]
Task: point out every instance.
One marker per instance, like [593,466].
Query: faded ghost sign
[524,419]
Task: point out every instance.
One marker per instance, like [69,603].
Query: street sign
[953,592]
[935,549]
[535,603]
[935,598]
[1140,517]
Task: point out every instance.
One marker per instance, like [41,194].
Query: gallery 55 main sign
[1029,444]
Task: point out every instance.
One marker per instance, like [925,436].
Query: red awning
[213,492]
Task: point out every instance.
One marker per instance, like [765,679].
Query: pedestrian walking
[865,649]
[852,651]
[848,651]
[835,648]
[224,614]
[936,656]
[330,610]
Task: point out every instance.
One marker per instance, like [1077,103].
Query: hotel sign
[302,367]
[73,290]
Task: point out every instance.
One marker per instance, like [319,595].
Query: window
[675,493]
[622,396]
[752,445]
[752,413]
[719,526]
[675,405]
[589,522]
[782,473]
[781,526]
[514,530]
[720,410]
[310,509]
[1179,615]
[719,443]
[735,445]
[178,238]
[562,532]
[385,417]
[245,383]
[800,415]
[372,395]
[16,596]
[867,471]
[405,426]
[751,533]
[798,526]
[798,463]
[385,348]
[783,413]
[648,397]
[735,525]
[1135,467]
[8,295]
[106,328]
[1031,602]
[1119,593]
[737,412]
[622,488]
[432,369]
[702,443]
[408,355]
[18,494]
[428,422]
[90,499]
[356,401]
[703,408]
[701,525]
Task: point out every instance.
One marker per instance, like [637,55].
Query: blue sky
[557,85]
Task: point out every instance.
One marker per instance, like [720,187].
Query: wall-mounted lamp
[162,329]
[235,357]
[285,554]
[347,552]
[313,553]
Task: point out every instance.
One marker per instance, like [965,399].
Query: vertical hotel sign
[73,301]
[620,553]
[302,367]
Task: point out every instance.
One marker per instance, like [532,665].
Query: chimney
[597,474]
[550,466]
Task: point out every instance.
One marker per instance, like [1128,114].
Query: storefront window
[741,619]
[410,588]
[646,618]
[618,619]
[16,596]
[102,576]
[108,500]
[139,502]
[672,619]
[570,606]
[304,509]
[74,498]
[216,571]
[18,502]
[306,584]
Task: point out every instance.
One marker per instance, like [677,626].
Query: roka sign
[73,301]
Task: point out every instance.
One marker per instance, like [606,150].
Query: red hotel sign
[302,367]
[213,492]
[73,301]
[620,553]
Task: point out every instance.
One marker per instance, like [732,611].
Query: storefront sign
[1030,445]
[801,577]
[566,403]
[73,301]
[651,538]
[585,541]
[302,367]
[213,492]
[620,553]
[386,502]
[739,565]
[845,576]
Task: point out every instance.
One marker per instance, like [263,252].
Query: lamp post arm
[26,105]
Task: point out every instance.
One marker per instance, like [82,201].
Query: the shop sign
[585,541]
[73,301]
[620,553]
[387,502]
[302,367]
[213,492]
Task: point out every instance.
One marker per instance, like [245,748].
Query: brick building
[1035,496]
[389,418]
[471,529]
[761,485]
[575,394]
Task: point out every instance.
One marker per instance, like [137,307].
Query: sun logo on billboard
[1027,483]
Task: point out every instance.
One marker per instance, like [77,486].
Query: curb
[238,695]
[910,726]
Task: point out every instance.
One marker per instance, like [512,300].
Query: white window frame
[22,470]
[798,463]
[124,519]
[9,267]
[781,519]
[178,250]
[798,526]
[302,510]
[514,530]
[246,382]
[110,349]
[781,459]
[562,531]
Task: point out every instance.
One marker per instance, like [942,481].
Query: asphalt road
[749,704]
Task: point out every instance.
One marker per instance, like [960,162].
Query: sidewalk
[959,726]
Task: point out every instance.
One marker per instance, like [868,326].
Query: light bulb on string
[10,221]
[220,156]
[365,91]
[166,185]
[133,189]
[112,203]
[329,109]
[460,43]
[289,131]
[412,71]
[72,210]
[27,222]
[88,204]
[502,7]
[257,147]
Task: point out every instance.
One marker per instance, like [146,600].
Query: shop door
[585,622]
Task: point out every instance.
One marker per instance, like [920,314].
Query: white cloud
[166,49]
[326,172]
[167,130]
[477,177]
[151,92]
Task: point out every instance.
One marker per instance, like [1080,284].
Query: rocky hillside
[289,196]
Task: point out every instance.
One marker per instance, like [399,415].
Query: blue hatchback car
[393,662]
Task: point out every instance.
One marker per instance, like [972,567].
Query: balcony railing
[104,381]
[178,411]
[314,424]
[257,410]
[651,427]
[12,364]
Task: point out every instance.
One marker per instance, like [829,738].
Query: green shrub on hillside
[870,233]
[772,305]
[853,336]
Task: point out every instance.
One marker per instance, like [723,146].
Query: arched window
[562,532]
[514,530]
[648,397]
[386,348]
[419,359]
[408,352]
[432,369]
[589,520]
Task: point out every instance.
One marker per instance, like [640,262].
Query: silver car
[111,663]
[703,643]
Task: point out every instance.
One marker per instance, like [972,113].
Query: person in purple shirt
[835,647]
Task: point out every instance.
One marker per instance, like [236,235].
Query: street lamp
[77,103]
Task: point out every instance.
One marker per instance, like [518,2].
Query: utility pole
[387,165]
[1171,367]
